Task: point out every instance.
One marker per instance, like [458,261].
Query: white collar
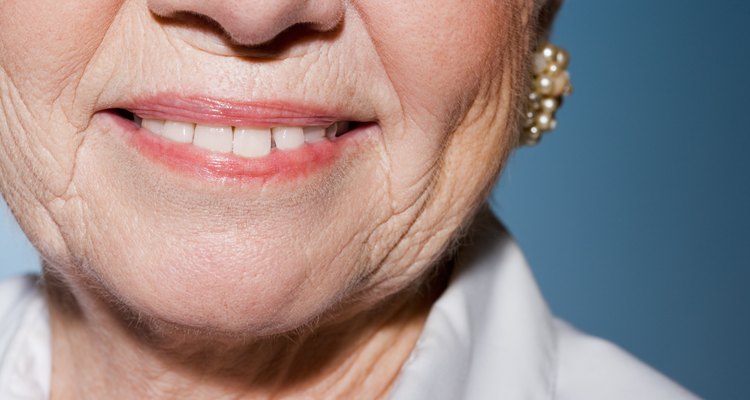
[25,343]
[490,335]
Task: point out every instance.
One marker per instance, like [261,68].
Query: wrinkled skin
[194,258]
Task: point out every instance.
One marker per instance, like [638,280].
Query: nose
[254,22]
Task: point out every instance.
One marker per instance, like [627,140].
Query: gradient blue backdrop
[635,212]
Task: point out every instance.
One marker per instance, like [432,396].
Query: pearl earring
[550,83]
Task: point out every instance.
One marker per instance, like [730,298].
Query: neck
[96,355]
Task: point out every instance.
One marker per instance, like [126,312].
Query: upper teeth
[242,141]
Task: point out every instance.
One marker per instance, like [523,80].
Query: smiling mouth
[224,141]
[241,141]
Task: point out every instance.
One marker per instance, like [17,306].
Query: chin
[208,291]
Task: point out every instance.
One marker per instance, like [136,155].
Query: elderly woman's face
[215,233]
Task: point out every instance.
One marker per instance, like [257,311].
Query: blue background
[635,212]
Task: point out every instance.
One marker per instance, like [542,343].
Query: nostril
[191,21]
[295,35]
[251,23]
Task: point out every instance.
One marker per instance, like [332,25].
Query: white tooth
[288,138]
[155,126]
[213,138]
[331,131]
[181,132]
[314,134]
[252,142]
[138,120]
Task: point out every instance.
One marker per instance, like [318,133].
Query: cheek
[440,56]
[450,63]
[45,49]
[435,52]
[46,44]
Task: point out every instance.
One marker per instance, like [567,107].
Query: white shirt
[489,336]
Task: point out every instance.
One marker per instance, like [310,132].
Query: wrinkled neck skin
[100,352]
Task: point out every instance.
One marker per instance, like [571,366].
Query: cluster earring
[549,85]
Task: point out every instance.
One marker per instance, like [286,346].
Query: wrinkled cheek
[437,51]
[46,48]
[437,55]
[47,45]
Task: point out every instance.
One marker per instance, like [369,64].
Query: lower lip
[278,165]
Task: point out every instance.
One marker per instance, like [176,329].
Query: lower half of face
[252,188]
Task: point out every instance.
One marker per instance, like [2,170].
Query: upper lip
[227,112]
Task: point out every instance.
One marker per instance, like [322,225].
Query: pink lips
[189,159]
[222,112]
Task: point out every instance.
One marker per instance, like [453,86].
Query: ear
[546,17]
